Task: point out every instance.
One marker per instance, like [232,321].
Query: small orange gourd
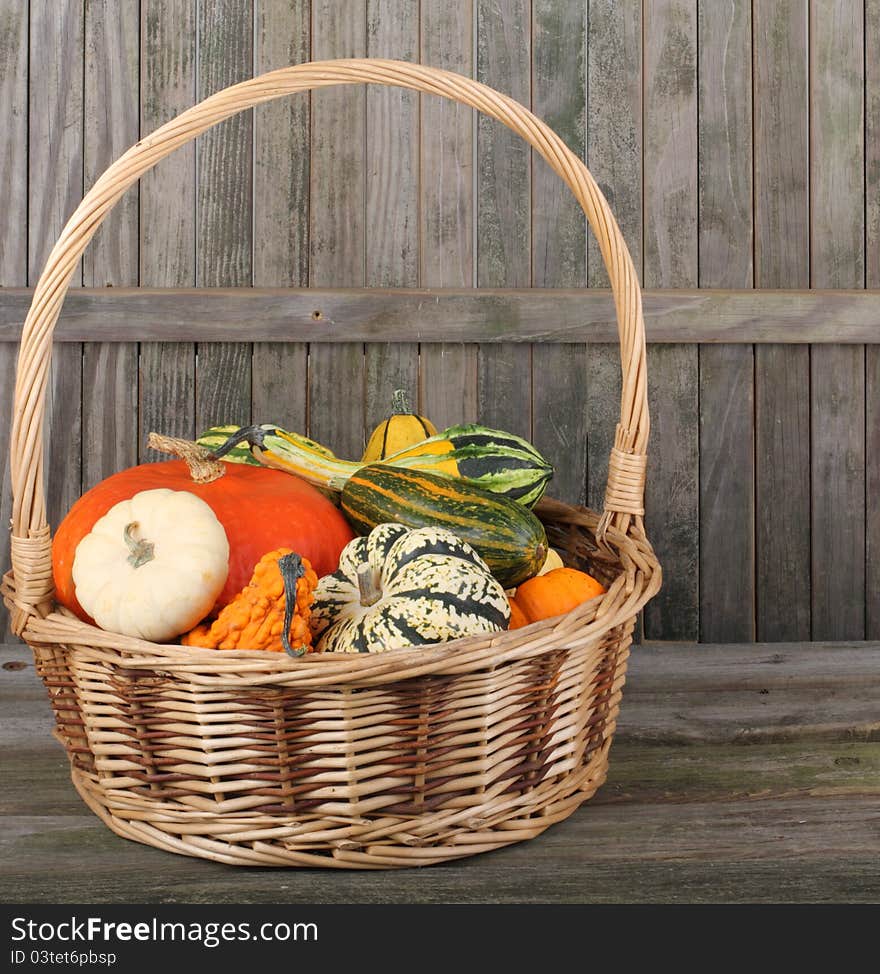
[270,613]
[555,593]
[517,616]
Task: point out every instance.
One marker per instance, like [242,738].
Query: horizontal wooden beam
[523,315]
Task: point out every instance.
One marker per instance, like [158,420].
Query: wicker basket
[402,758]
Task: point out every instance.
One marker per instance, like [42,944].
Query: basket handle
[31,592]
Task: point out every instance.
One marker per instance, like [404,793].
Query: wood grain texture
[392,217]
[727,494]
[112,122]
[560,390]
[447,208]
[13,228]
[279,390]
[872,491]
[614,156]
[745,797]
[872,280]
[14,80]
[224,208]
[167,216]
[671,260]
[782,375]
[727,447]
[549,316]
[338,231]
[504,208]
[837,257]
[55,182]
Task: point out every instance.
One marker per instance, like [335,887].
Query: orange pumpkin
[517,616]
[555,593]
[260,509]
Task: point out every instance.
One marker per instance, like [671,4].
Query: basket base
[248,842]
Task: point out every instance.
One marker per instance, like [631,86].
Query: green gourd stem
[400,403]
[292,570]
[142,551]
[368,585]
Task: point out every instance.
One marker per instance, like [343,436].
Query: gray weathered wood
[112,119]
[782,256]
[392,217]
[614,156]
[837,256]
[549,316]
[14,143]
[55,162]
[872,279]
[168,209]
[338,238]
[559,389]
[749,796]
[224,208]
[13,228]
[872,491]
[279,392]
[671,251]
[504,208]
[727,499]
[727,448]
[447,209]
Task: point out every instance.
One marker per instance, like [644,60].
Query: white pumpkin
[398,587]
[153,565]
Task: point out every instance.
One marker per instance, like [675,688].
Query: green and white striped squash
[398,587]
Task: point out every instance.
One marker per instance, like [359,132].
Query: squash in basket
[492,459]
[270,613]
[396,587]
[555,593]
[260,510]
[506,535]
[153,565]
[401,430]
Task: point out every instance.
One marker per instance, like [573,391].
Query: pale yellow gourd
[153,565]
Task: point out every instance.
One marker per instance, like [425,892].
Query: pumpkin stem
[141,551]
[204,467]
[400,403]
[292,570]
[368,584]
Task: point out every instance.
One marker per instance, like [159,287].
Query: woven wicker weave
[397,759]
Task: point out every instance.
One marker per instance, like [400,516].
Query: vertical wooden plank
[13,233]
[559,256]
[872,352]
[504,208]
[447,209]
[392,222]
[167,217]
[727,440]
[336,372]
[110,370]
[837,214]
[281,210]
[782,373]
[224,207]
[614,155]
[55,167]
[671,247]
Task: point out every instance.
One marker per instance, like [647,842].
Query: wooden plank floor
[742,773]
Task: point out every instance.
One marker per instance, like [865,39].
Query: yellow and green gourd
[493,460]
[400,431]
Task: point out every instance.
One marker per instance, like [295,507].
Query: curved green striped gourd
[508,536]
[492,459]
[398,587]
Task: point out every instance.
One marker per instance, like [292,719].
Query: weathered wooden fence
[739,146]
